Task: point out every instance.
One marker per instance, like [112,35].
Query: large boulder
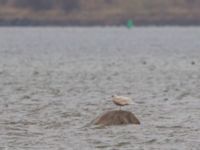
[116,117]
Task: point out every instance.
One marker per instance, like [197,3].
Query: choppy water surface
[54,81]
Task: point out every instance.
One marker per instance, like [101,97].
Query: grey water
[55,81]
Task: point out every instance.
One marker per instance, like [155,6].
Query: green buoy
[130,24]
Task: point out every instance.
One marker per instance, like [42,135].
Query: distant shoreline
[29,22]
[98,12]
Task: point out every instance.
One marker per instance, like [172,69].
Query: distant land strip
[98,12]
[137,22]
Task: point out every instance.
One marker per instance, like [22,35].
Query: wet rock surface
[116,117]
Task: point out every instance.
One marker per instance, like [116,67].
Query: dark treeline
[66,5]
[69,5]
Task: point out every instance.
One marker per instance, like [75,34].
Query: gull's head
[113,96]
